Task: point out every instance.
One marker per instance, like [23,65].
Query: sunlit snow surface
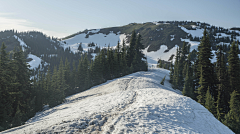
[153,57]
[136,103]
[35,62]
[194,33]
[102,40]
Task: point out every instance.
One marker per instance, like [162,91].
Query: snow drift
[136,103]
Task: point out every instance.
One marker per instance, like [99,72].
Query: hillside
[159,38]
[136,103]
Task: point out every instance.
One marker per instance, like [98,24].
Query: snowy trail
[136,103]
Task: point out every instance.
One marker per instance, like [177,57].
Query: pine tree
[188,89]
[162,82]
[47,86]
[233,68]
[205,67]
[130,53]
[22,90]
[171,72]
[117,61]
[80,75]
[232,119]
[85,73]
[6,101]
[67,78]
[181,64]
[223,93]
[62,86]
[176,71]
[160,65]
[209,103]
[123,59]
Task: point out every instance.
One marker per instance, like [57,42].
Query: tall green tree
[223,84]
[233,68]
[232,119]
[205,67]
[188,89]
[209,103]
[176,70]
[131,52]
[6,101]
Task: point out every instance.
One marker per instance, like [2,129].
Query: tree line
[214,85]
[21,97]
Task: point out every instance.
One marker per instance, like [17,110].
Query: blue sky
[60,18]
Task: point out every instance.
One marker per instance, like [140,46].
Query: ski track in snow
[135,103]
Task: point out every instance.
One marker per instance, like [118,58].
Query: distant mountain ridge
[160,33]
[160,40]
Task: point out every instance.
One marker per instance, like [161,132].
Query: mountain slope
[160,39]
[136,103]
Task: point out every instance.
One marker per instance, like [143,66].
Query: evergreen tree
[85,73]
[67,78]
[22,90]
[188,89]
[233,68]
[6,101]
[209,103]
[131,52]
[176,71]
[182,59]
[232,119]
[160,64]
[117,61]
[171,72]
[206,68]
[124,60]
[47,86]
[223,93]
[62,86]
[162,82]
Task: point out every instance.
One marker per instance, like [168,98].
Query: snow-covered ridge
[136,103]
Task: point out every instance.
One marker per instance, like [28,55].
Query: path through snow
[136,103]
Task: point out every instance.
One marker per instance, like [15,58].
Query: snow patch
[35,62]
[194,33]
[194,44]
[172,37]
[102,40]
[22,43]
[153,57]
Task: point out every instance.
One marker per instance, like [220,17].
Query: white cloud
[23,25]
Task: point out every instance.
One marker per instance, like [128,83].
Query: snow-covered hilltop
[136,103]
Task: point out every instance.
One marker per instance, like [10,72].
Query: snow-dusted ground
[136,103]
